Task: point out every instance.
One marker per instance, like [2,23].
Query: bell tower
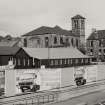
[78,27]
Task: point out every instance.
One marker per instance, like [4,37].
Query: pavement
[87,99]
[66,94]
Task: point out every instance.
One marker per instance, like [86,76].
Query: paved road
[89,98]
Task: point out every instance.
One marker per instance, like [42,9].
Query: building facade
[57,57]
[27,58]
[44,37]
[96,45]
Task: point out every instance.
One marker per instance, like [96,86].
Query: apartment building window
[104,51]
[55,40]
[91,43]
[91,51]
[100,51]
[100,43]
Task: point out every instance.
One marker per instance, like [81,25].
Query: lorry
[79,76]
[27,82]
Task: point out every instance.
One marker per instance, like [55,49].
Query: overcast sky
[21,16]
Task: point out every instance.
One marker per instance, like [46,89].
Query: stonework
[96,49]
[56,36]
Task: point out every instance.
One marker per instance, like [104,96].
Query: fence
[35,100]
[52,96]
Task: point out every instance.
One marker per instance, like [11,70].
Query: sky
[18,17]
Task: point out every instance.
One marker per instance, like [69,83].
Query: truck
[27,82]
[79,77]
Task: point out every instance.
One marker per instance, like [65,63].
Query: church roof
[78,17]
[49,30]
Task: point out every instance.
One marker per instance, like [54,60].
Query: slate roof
[54,53]
[49,30]
[8,50]
[78,17]
[9,43]
[99,34]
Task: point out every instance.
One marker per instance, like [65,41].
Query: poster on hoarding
[51,78]
[91,73]
[31,80]
[79,72]
[87,72]
[27,80]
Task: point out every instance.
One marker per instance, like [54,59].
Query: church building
[44,37]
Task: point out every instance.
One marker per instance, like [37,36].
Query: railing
[51,96]
[35,100]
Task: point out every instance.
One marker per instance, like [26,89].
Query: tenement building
[96,45]
[44,37]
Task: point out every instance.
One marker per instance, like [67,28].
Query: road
[91,99]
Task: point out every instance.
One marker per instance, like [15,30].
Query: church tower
[78,27]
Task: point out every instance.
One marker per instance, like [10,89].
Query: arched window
[25,42]
[77,42]
[61,40]
[46,42]
[72,41]
[55,40]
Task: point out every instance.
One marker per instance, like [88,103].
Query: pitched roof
[9,43]
[99,34]
[49,30]
[54,53]
[78,17]
[8,50]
